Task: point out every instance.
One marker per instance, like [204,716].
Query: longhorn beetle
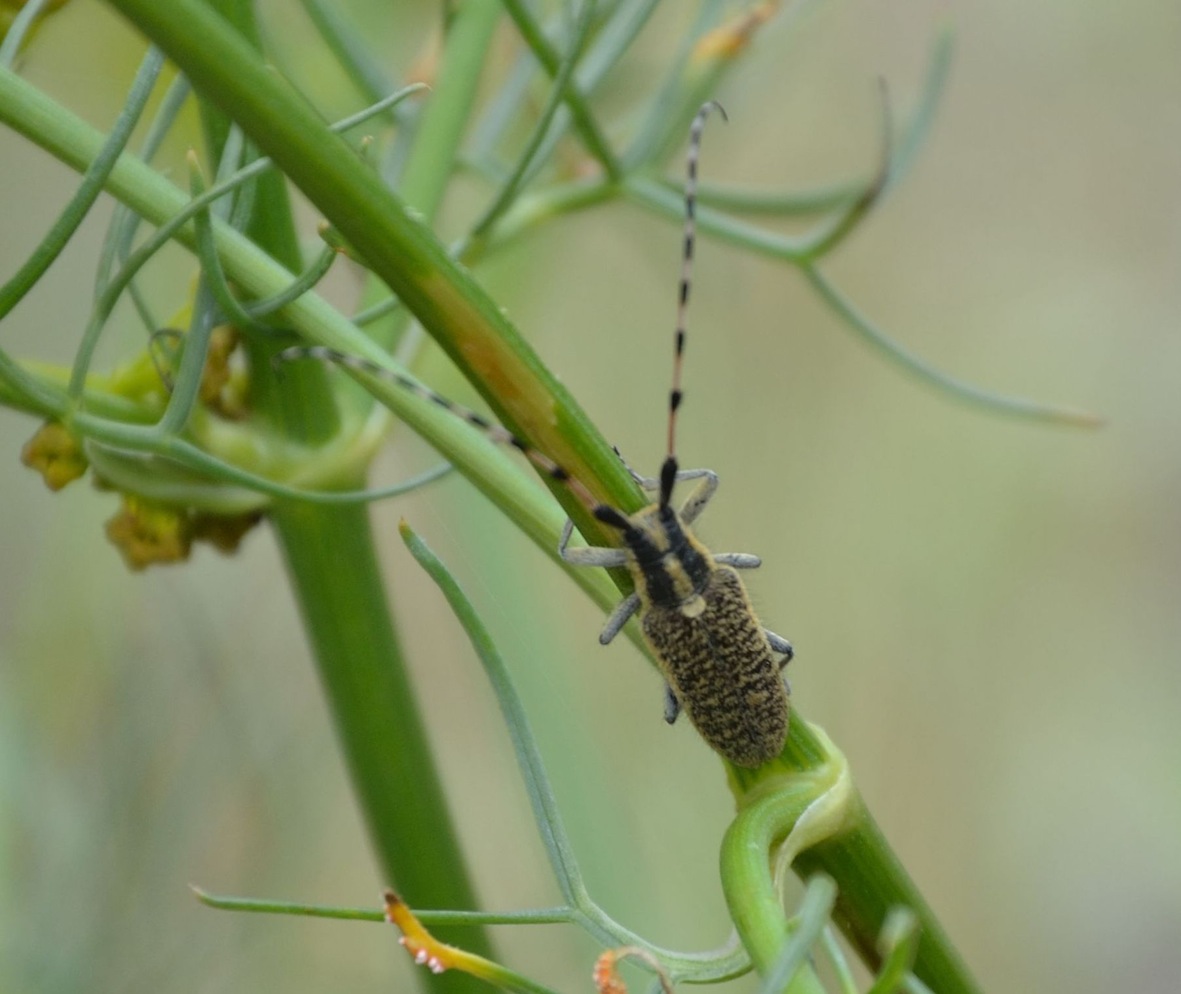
[718,662]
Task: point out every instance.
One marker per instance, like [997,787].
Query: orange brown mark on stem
[728,40]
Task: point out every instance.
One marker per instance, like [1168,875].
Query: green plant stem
[846,857]
[538,916]
[813,817]
[791,970]
[354,640]
[366,73]
[776,814]
[547,55]
[512,186]
[443,296]
[545,808]
[91,186]
[269,223]
[873,881]
[376,715]
[438,134]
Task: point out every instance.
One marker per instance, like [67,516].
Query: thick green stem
[812,816]
[271,226]
[401,250]
[873,881]
[439,132]
[356,647]
[454,308]
[330,556]
[360,664]
[779,814]
[354,640]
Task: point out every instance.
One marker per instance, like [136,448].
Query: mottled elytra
[721,667]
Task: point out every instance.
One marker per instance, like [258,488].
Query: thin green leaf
[838,961]
[353,55]
[807,927]
[528,158]
[304,282]
[232,309]
[796,249]
[588,128]
[19,30]
[123,224]
[931,95]
[740,199]
[957,389]
[898,944]
[541,796]
[92,184]
[540,916]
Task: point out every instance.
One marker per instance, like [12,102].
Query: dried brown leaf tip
[56,454]
[423,947]
[730,39]
[606,974]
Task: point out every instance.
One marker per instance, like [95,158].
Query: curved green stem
[541,798]
[516,179]
[700,967]
[367,74]
[212,273]
[781,816]
[442,295]
[872,883]
[317,269]
[548,56]
[954,388]
[95,178]
[22,25]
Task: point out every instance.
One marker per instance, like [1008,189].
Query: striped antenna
[498,433]
[668,471]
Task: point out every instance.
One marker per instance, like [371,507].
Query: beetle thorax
[669,566]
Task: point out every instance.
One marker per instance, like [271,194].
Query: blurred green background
[986,612]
